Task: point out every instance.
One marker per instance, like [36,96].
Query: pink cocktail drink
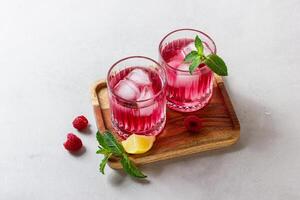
[137,96]
[186,92]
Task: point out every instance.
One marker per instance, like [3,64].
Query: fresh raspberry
[73,142]
[192,123]
[80,122]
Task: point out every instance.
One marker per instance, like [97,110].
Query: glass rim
[134,101]
[178,30]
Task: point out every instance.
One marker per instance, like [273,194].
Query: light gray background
[52,51]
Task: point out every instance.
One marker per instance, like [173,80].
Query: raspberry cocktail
[186,92]
[136,88]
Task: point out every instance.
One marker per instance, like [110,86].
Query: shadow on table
[257,132]
[79,153]
[87,131]
[117,178]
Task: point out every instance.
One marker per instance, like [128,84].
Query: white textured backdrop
[52,51]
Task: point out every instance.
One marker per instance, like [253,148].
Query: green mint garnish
[103,162]
[199,45]
[216,64]
[213,61]
[109,146]
[130,168]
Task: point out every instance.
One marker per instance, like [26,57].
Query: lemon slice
[137,144]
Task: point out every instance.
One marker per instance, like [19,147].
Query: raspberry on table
[73,142]
[80,122]
[192,123]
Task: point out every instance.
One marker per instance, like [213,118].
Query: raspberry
[192,123]
[73,142]
[80,122]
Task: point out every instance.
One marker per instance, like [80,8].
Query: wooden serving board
[221,127]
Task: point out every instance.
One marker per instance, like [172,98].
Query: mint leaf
[213,61]
[191,56]
[130,168]
[195,63]
[101,141]
[112,144]
[109,143]
[199,45]
[109,146]
[102,151]
[216,64]
[103,163]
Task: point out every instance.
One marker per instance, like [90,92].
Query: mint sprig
[109,146]
[199,45]
[213,61]
[130,168]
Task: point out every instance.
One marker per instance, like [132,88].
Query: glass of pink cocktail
[136,89]
[186,92]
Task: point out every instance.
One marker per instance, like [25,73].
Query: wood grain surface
[220,127]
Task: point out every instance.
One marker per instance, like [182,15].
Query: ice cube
[146,107]
[139,77]
[148,110]
[185,79]
[176,60]
[174,63]
[127,90]
[188,48]
[184,66]
[182,81]
[146,93]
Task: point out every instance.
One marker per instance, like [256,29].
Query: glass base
[152,132]
[190,107]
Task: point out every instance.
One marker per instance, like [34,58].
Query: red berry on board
[192,123]
[80,122]
[73,142]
